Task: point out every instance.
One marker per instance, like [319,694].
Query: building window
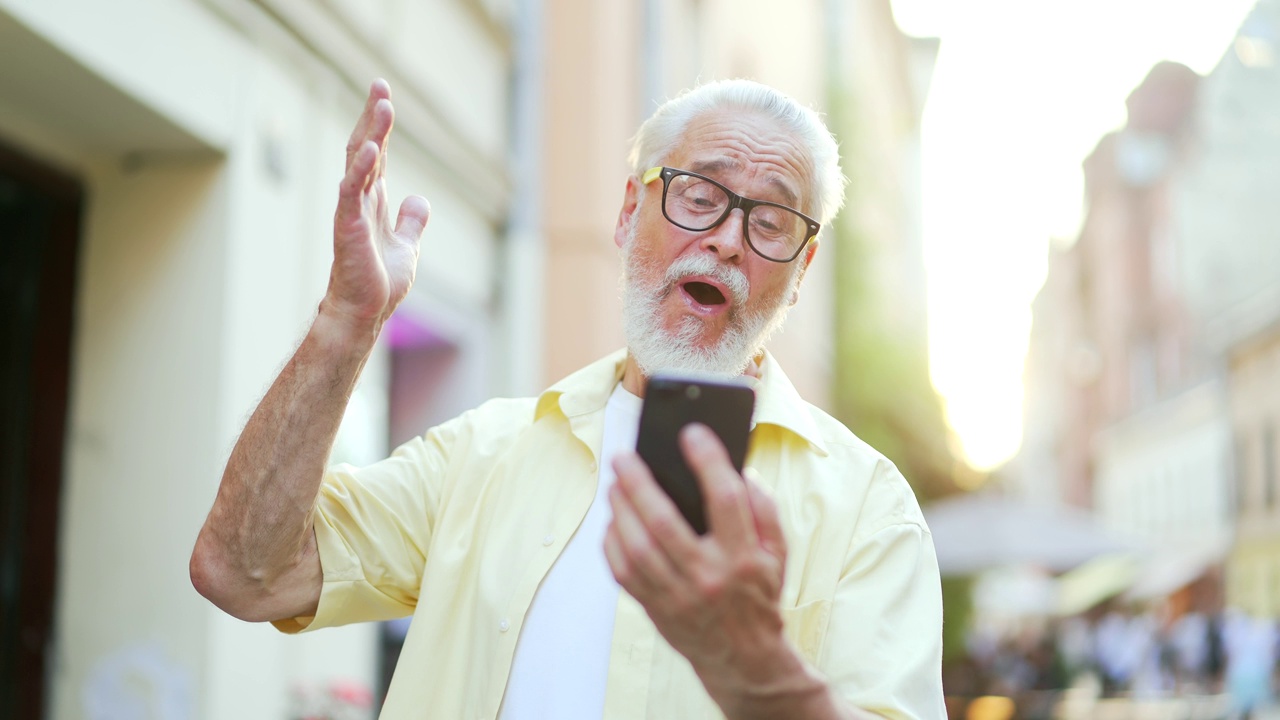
[1269,464]
[1242,474]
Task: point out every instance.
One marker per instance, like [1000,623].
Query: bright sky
[1022,92]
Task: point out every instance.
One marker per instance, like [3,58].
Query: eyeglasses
[698,203]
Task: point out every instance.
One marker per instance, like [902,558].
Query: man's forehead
[717,165]
[718,143]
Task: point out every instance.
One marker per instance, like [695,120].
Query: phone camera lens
[692,392]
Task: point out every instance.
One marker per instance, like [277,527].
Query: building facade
[1124,411]
[1230,257]
[203,140]
[1152,366]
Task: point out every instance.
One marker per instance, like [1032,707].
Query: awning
[979,531]
[1099,579]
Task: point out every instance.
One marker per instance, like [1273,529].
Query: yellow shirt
[459,527]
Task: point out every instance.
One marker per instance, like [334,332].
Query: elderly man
[511,532]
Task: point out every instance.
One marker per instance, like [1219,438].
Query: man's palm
[374,263]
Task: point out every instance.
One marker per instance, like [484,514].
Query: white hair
[663,131]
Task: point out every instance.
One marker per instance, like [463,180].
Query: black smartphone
[672,401]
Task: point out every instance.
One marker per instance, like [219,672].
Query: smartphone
[672,401]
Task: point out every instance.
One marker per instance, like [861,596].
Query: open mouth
[704,293]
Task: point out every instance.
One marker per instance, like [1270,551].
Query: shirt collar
[586,390]
[777,402]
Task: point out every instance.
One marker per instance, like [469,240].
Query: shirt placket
[581,469]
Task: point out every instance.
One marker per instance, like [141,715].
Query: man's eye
[766,222]
[701,196]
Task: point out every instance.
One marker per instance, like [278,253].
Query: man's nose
[726,239]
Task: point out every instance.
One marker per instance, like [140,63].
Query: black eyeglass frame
[735,201]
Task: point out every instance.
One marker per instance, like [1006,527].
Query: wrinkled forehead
[749,152]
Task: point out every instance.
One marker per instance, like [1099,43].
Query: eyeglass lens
[695,204]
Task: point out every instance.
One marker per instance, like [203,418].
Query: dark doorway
[39,236]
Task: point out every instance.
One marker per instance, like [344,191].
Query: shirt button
[504,626]
[547,540]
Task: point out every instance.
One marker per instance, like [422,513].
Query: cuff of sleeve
[340,571]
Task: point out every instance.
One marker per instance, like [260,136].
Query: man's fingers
[656,509]
[652,569]
[384,117]
[379,132]
[378,90]
[355,183]
[723,492]
[415,211]
[617,559]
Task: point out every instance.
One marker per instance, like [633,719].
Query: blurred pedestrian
[1189,637]
[1116,657]
[1075,642]
[1250,645]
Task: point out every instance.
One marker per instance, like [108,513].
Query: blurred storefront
[1254,573]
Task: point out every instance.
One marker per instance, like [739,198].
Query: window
[1242,474]
[1269,464]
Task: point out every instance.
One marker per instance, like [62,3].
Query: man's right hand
[373,263]
[257,556]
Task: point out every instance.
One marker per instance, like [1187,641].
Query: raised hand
[373,262]
[257,556]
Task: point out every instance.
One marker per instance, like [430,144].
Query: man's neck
[634,381]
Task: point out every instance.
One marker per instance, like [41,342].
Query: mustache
[733,279]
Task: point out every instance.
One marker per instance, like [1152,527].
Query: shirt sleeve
[883,649]
[373,528]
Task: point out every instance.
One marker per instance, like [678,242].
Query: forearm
[260,530]
[782,687]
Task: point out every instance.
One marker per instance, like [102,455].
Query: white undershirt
[561,665]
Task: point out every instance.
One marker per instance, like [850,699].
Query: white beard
[655,349]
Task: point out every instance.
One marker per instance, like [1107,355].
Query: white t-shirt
[561,664]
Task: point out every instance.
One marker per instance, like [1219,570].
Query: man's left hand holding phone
[715,597]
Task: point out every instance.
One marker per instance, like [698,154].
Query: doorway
[39,237]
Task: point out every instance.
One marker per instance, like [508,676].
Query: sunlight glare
[1021,93]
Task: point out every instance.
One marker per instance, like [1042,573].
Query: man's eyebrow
[710,167]
[706,167]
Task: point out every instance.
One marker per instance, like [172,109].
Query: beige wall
[589,115]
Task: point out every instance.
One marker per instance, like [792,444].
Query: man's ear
[626,215]
[804,267]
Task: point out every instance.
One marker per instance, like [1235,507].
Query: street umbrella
[979,531]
